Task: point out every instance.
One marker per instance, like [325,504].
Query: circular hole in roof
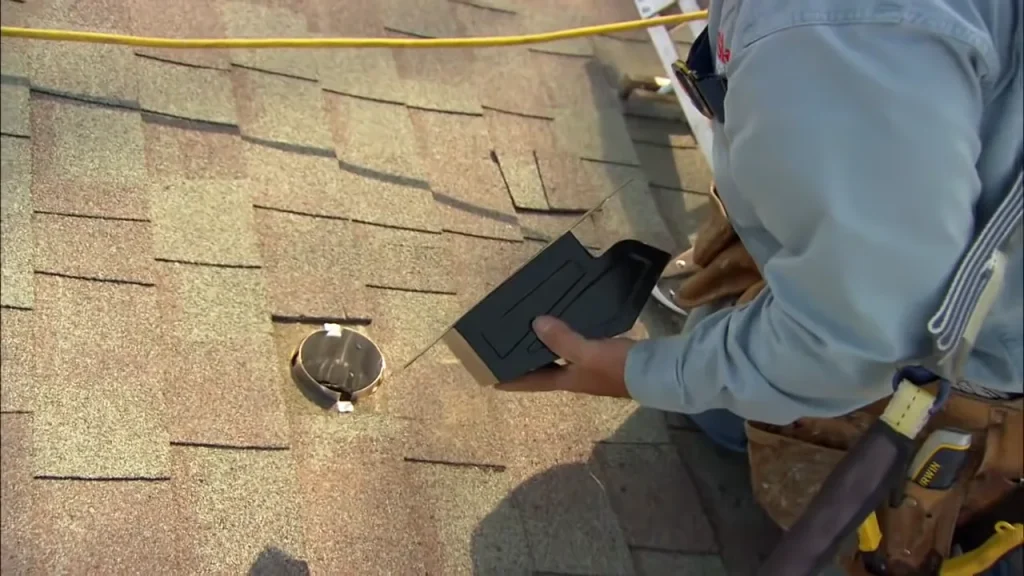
[337,363]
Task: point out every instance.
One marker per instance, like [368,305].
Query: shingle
[439,80]
[567,182]
[17,494]
[381,171]
[110,527]
[403,259]
[520,134]
[656,563]
[507,79]
[685,210]
[17,247]
[351,18]
[450,67]
[205,221]
[522,178]
[627,57]
[184,19]
[455,398]
[570,525]
[260,20]
[310,266]
[548,227]
[475,203]
[632,212]
[16,167]
[94,248]
[574,47]
[99,72]
[14,116]
[440,97]
[656,501]
[574,82]
[280,109]
[225,393]
[643,104]
[399,517]
[112,426]
[746,534]
[405,322]
[505,6]
[503,79]
[87,159]
[466,182]
[186,91]
[100,15]
[297,180]
[576,421]
[431,18]
[212,304]
[639,425]
[564,16]
[374,136]
[15,54]
[366,73]
[682,169]
[487,262]
[451,417]
[595,134]
[357,490]
[488,17]
[239,503]
[479,529]
[179,149]
[674,133]
[387,202]
[17,360]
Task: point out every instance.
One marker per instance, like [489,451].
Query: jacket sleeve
[855,146]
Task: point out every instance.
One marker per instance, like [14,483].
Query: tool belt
[790,463]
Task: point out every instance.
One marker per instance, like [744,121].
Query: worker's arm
[855,146]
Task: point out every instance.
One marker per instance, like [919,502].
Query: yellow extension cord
[482,42]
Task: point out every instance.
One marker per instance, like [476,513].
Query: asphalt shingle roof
[174,222]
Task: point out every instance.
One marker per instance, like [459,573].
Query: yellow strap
[1007,537]
[908,410]
[869,534]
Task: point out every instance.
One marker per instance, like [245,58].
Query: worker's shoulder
[987,26]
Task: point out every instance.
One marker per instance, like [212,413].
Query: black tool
[598,297]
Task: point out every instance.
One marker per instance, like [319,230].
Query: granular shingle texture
[175,222]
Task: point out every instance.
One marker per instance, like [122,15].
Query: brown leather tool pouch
[788,464]
[723,268]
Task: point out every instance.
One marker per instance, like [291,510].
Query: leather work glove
[718,265]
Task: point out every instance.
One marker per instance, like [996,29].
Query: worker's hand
[595,367]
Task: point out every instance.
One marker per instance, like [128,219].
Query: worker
[858,150]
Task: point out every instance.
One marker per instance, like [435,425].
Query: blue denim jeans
[723,427]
